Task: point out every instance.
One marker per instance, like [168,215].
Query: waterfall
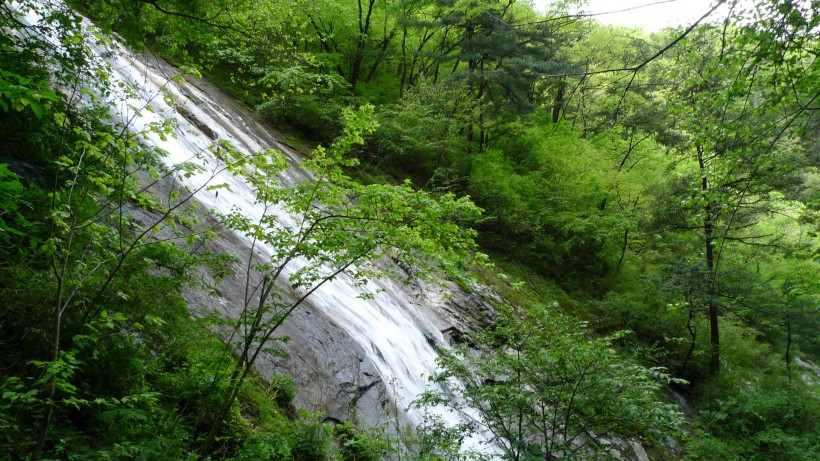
[391,329]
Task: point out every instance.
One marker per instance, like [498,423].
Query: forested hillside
[645,205]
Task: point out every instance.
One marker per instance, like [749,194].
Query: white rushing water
[386,326]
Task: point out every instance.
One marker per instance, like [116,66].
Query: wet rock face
[331,372]
[454,311]
[205,129]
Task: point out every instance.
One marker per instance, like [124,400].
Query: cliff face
[348,357]
[332,372]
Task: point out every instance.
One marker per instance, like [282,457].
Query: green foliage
[311,440]
[548,194]
[16,231]
[284,392]
[303,99]
[421,135]
[770,417]
[269,445]
[18,93]
[107,399]
[536,385]
[613,188]
[357,445]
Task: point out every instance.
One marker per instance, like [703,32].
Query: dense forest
[645,207]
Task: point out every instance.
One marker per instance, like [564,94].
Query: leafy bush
[764,417]
[538,385]
[304,99]
[265,446]
[357,445]
[422,135]
[310,439]
[548,208]
[284,391]
[307,113]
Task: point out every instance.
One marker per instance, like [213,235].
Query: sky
[652,15]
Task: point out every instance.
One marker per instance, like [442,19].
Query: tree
[539,388]
[88,246]
[354,35]
[498,50]
[419,134]
[740,93]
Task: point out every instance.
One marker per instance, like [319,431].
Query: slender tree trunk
[623,249]
[692,338]
[387,39]
[242,363]
[714,333]
[356,65]
[361,43]
[437,61]
[708,240]
[788,356]
[482,87]
[42,431]
[469,139]
[629,149]
[227,403]
[558,102]
[262,335]
[403,79]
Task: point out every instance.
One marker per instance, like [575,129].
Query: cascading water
[394,335]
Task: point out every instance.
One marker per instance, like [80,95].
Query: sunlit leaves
[19,93]
[340,221]
[540,386]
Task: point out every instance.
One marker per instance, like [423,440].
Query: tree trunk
[403,79]
[482,132]
[42,431]
[361,43]
[692,339]
[558,102]
[708,240]
[623,249]
[788,345]
[387,39]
